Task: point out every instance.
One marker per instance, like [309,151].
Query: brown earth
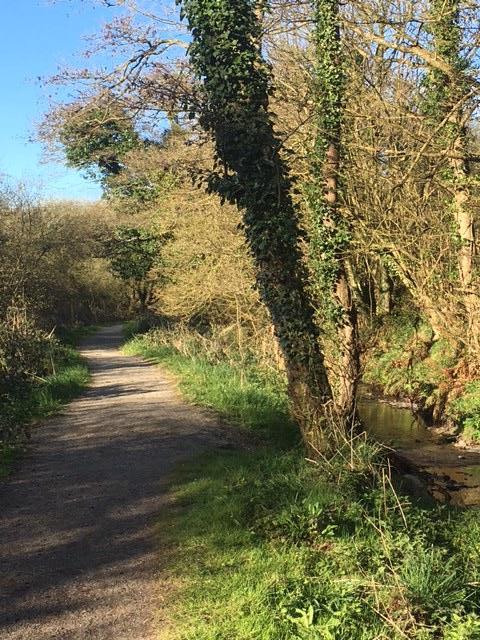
[78,555]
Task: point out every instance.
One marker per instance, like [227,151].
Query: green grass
[265,547]
[41,399]
[262,545]
[70,379]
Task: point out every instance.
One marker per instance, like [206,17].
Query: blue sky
[36,36]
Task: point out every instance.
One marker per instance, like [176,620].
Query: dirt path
[77,551]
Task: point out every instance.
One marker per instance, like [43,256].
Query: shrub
[25,353]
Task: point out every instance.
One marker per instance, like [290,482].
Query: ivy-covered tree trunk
[330,232]
[226,55]
[446,105]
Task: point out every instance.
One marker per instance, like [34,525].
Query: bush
[37,374]
[26,352]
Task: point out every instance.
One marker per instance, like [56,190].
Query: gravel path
[78,558]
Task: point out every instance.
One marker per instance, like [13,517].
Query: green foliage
[142,324]
[432,581]
[69,379]
[135,257]
[406,363]
[96,137]
[463,628]
[37,374]
[441,92]
[347,576]
[132,191]
[132,252]
[465,411]
[330,236]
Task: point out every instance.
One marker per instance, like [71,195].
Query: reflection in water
[391,425]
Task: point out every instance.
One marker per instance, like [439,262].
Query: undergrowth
[38,399]
[465,411]
[406,362]
[265,545]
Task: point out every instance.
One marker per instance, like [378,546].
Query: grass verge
[41,399]
[266,546]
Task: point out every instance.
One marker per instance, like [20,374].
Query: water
[394,426]
[449,473]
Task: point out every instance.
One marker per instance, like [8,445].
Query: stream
[429,464]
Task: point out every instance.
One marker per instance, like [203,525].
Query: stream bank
[430,463]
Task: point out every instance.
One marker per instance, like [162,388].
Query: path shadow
[78,519]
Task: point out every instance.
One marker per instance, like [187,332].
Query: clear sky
[36,36]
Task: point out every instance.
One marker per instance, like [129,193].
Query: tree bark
[327,167]
[465,224]
[282,283]
[347,329]
[383,291]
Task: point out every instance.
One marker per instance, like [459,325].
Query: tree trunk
[332,269]
[282,283]
[464,219]
[350,362]
[226,43]
[347,326]
[383,291]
